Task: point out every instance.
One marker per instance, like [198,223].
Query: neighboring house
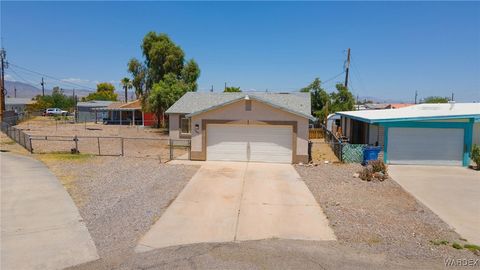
[431,134]
[260,127]
[130,113]
[86,110]
[18,105]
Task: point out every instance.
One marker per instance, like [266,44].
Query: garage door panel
[436,146]
[258,143]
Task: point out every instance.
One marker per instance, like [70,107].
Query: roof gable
[193,103]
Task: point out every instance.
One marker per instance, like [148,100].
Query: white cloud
[9,77]
[75,80]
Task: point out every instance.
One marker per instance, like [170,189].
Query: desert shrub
[475,155]
[378,166]
[366,173]
[457,246]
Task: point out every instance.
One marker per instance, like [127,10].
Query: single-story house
[130,113]
[259,127]
[18,105]
[85,110]
[430,134]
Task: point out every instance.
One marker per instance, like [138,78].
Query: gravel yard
[378,216]
[119,198]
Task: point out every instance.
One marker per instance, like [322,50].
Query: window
[184,125]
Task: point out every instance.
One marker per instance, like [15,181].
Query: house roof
[418,112]
[193,103]
[95,103]
[121,106]
[18,101]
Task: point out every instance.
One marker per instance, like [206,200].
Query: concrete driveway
[236,201]
[453,193]
[41,226]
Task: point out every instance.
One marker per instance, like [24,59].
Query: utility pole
[3,56]
[43,87]
[14,91]
[347,68]
[225,87]
[416,95]
[453,97]
[211,90]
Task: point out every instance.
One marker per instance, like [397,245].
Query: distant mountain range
[25,90]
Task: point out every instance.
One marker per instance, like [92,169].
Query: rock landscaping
[379,216]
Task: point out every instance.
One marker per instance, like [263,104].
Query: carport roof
[418,113]
[193,103]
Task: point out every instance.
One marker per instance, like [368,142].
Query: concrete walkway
[453,193]
[237,201]
[40,225]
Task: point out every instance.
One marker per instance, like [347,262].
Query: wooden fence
[315,133]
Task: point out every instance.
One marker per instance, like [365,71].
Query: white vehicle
[54,111]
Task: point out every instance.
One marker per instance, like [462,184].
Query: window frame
[182,117]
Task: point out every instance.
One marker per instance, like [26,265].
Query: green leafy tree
[139,74]
[56,100]
[435,99]
[342,100]
[232,89]
[164,94]
[319,99]
[105,91]
[164,63]
[126,84]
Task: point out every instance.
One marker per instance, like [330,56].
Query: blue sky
[397,48]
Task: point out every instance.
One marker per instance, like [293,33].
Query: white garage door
[430,146]
[256,143]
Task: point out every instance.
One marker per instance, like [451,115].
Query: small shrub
[472,247]
[378,166]
[439,242]
[457,246]
[475,155]
[366,173]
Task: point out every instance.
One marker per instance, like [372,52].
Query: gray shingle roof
[197,102]
[95,103]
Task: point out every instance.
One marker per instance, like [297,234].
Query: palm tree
[127,84]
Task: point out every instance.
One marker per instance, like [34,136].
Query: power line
[53,78]
[20,77]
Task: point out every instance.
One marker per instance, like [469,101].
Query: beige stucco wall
[173,126]
[259,112]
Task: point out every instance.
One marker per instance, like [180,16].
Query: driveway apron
[453,193]
[41,226]
[237,201]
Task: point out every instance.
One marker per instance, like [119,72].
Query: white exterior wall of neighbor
[476,134]
[173,126]
[259,112]
[376,133]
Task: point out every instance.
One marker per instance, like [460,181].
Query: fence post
[171,149]
[189,150]
[76,144]
[123,154]
[98,142]
[31,147]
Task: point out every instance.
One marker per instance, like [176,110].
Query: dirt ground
[8,145]
[50,136]
[322,152]
[379,216]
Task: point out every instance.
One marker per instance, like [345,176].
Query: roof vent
[452,104]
